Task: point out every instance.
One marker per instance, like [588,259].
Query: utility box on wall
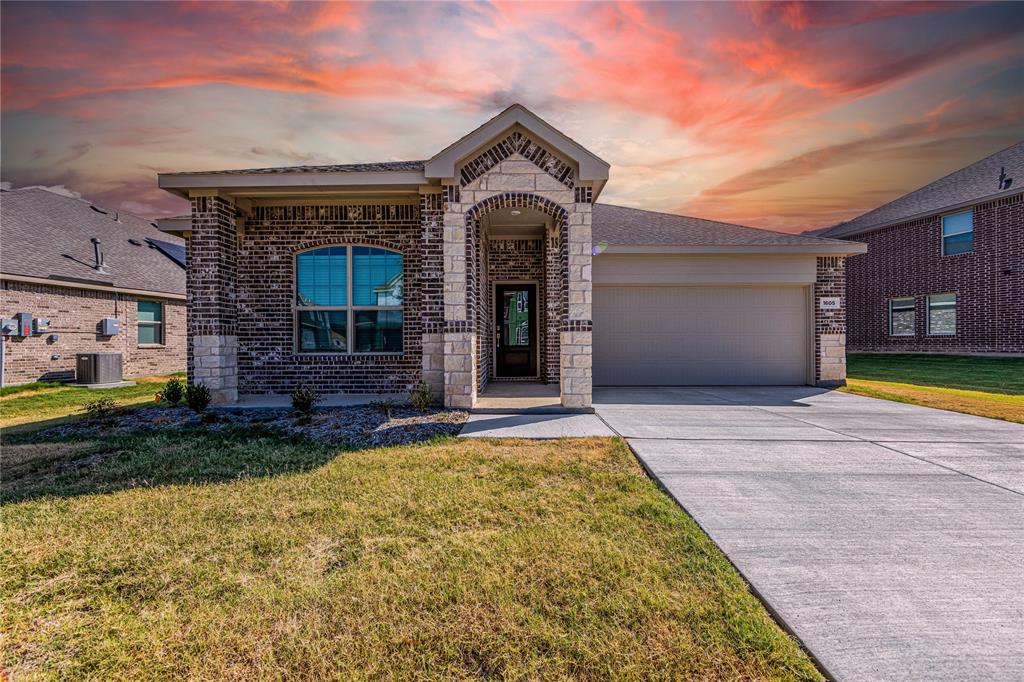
[109,326]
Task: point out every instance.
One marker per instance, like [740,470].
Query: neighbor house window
[901,317]
[349,300]
[958,233]
[150,323]
[942,314]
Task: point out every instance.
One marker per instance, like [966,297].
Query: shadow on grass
[49,467]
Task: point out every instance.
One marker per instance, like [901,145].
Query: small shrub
[421,397]
[305,400]
[174,391]
[198,397]
[101,408]
[384,406]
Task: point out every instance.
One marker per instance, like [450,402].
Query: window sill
[323,354]
[152,345]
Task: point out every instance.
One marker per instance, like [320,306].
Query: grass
[971,373]
[982,386]
[205,556]
[45,403]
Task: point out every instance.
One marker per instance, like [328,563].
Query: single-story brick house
[67,266]
[944,272]
[491,262]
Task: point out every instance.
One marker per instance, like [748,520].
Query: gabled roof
[392,175]
[591,167]
[48,236]
[632,230]
[978,182]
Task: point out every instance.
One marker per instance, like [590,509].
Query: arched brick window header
[517,200]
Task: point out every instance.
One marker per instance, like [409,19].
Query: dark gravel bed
[361,426]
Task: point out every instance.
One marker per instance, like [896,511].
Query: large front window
[349,300]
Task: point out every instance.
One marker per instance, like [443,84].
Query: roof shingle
[621,226]
[973,183]
[49,235]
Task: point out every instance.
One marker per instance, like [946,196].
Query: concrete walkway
[888,537]
[542,426]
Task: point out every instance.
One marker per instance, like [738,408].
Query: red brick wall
[74,316]
[906,260]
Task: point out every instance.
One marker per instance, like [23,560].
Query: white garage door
[700,335]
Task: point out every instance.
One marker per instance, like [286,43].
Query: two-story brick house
[944,271]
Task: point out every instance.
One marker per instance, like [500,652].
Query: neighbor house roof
[977,182]
[47,236]
[625,229]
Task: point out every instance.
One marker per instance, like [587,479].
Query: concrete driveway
[888,537]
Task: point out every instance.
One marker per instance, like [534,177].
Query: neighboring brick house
[49,270]
[944,271]
[490,262]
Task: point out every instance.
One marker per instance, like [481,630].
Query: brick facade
[74,316]
[268,361]
[830,324]
[906,260]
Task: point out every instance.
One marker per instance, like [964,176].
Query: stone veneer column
[212,317]
[577,336]
[830,325]
[459,331]
[432,286]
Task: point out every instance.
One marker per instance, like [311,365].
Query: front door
[515,348]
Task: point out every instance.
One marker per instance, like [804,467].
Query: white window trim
[928,313]
[943,235]
[350,309]
[903,298]
[160,329]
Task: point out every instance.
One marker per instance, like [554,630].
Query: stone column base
[459,370]
[215,365]
[577,369]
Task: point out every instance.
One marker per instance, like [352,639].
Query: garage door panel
[693,335]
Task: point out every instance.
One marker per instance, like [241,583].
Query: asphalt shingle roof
[970,184]
[382,166]
[621,226]
[44,234]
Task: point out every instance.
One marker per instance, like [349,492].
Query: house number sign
[828,303]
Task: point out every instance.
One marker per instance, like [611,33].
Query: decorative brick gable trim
[518,143]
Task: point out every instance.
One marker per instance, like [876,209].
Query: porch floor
[507,397]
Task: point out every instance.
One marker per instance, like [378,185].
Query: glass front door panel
[517,318]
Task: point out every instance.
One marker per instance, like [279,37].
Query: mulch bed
[361,426]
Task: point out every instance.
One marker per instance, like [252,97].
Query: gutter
[72,284]
[839,248]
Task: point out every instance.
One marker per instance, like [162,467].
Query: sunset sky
[790,116]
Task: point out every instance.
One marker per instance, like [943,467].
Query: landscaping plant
[304,401]
[421,396]
[174,391]
[384,406]
[198,397]
[101,408]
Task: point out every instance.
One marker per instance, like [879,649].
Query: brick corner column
[432,287]
[830,323]
[212,316]
[459,335]
[576,374]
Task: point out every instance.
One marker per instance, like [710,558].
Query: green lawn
[989,374]
[200,556]
[983,386]
[45,403]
